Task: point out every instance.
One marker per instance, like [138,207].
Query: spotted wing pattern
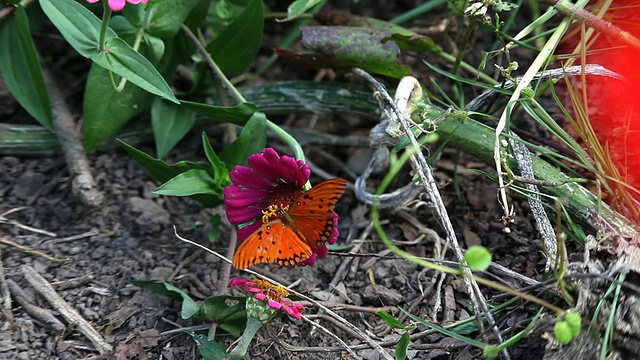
[272,243]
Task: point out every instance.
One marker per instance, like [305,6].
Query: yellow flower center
[272,212]
[274,292]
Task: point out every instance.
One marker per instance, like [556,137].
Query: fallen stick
[82,186]
[37,312]
[67,311]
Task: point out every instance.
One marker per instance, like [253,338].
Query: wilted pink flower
[269,180]
[275,296]
[117,5]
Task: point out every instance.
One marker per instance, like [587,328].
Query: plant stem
[253,325]
[286,137]
[105,25]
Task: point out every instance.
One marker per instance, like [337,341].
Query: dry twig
[43,315]
[82,185]
[67,311]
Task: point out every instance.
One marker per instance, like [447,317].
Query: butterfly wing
[272,243]
[312,212]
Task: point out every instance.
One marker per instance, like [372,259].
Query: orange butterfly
[299,229]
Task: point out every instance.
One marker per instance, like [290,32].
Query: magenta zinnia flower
[117,5]
[270,180]
[273,295]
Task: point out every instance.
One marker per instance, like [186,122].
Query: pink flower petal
[239,216]
[321,251]
[116,5]
[245,176]
[261,164]
[239,197]
[309,261]
[292,171]
[274,304]
[335,233]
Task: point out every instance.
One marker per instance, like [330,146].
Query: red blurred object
[614,105]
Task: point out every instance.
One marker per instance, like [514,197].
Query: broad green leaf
[160,170]
[415,42]
[190,182]
[198,14]
[234,49]
[79,26]
[166,16]
[170,123]
[152,47]
[218,309]
[209,349]
[251,141]
[299,7]
[346,47]
[189,306]
[130,64]
[105,111]
[163,172]
[123,27]
[401,348]
[405,39]
[390,320]
[217,165]
[81,29]
[238,114]
[20,67]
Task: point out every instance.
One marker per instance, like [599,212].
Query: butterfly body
[295,231]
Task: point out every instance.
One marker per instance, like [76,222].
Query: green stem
[105,25]
[253,325]
[286,137]
[417,11]
[136,45]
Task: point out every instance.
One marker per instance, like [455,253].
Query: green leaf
[166,16]
[478,258]
[223,309]
[346,47]
[415,42]
[189,306]
[238,114]
[214,234]
[190,182]
[81,29]
[251,141]
[236,47]
[20,67]
[390,320]
[121,59]
[217,165]
[209,349]
[401,348]
[105,110]
[299,7]
[77,25]
[163,172]
[170,123]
